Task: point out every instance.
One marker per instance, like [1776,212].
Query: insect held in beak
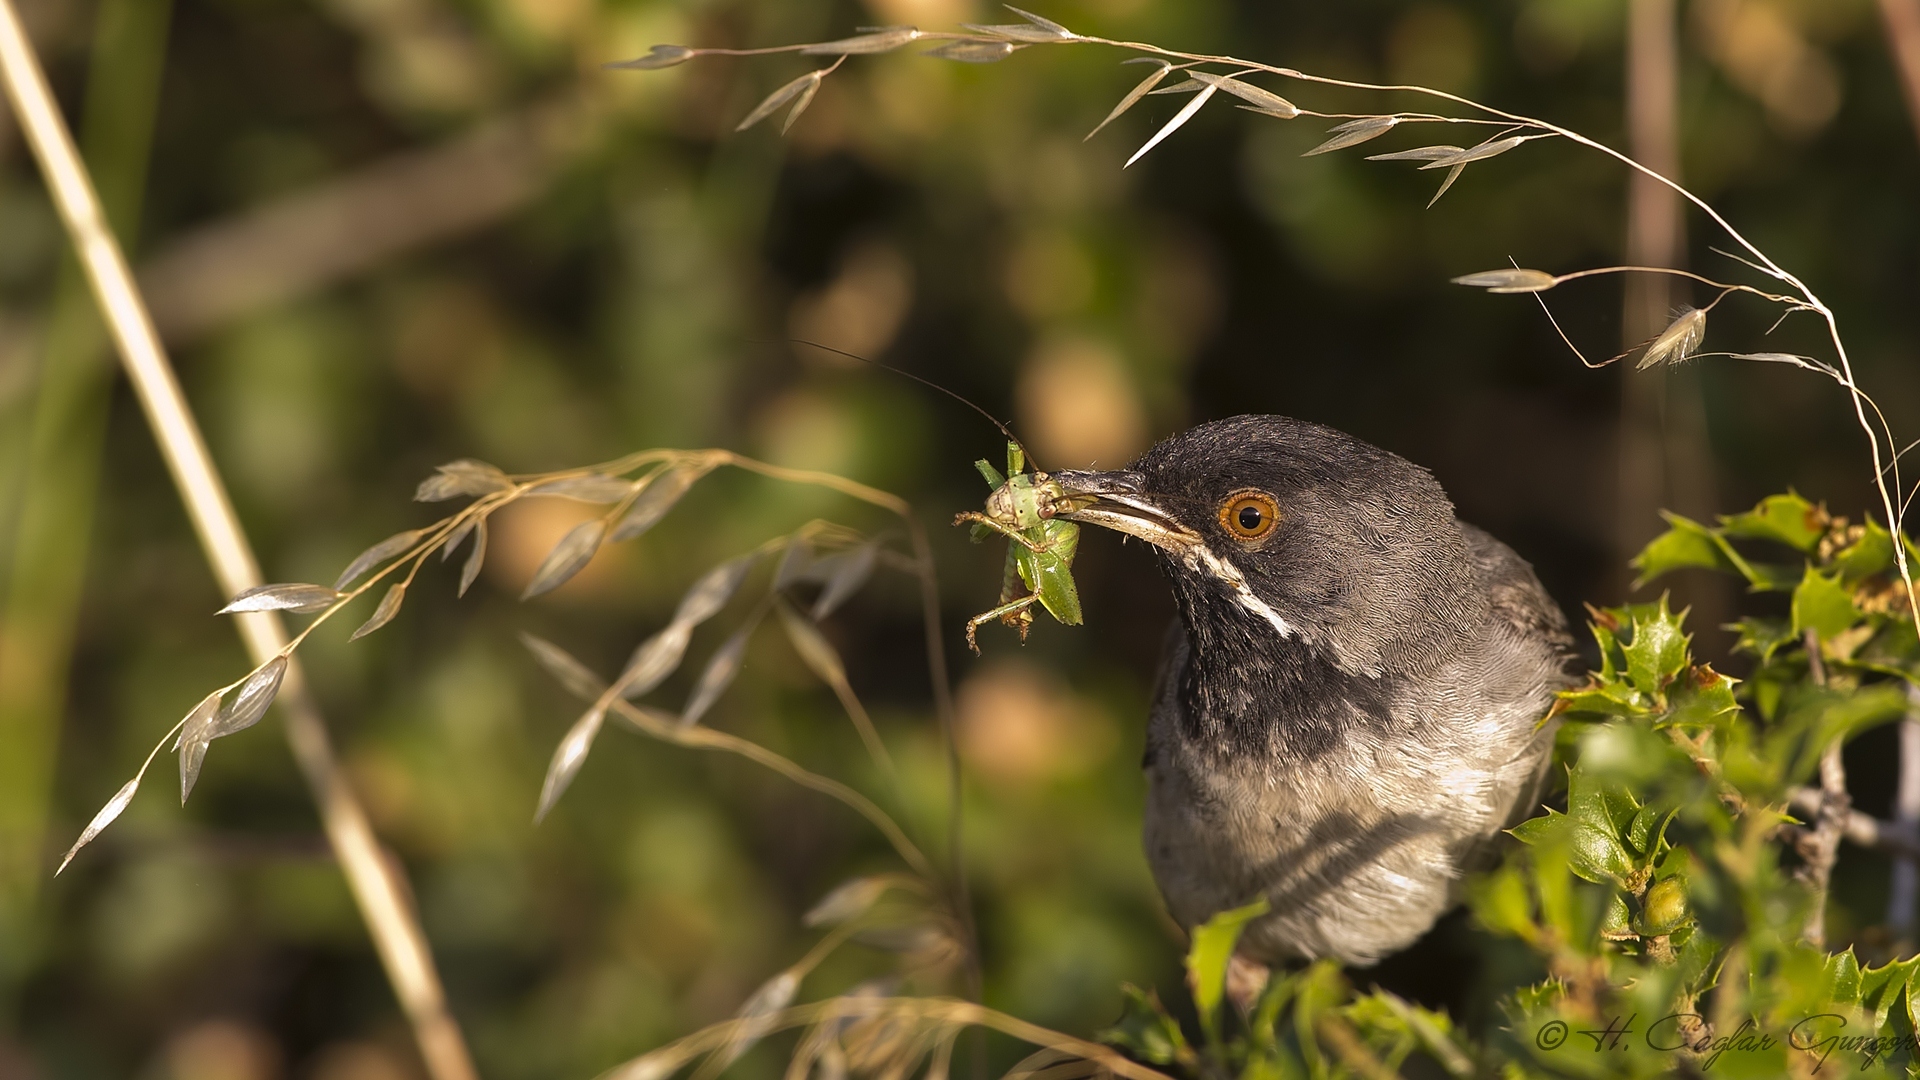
[1040,546]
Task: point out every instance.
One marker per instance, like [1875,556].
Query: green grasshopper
[1040,556]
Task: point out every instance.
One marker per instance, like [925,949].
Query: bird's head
[1273,528]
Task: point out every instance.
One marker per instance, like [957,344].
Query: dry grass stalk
[878,1035]
[1902,19]
[383,903]
[636,492]
[985,44]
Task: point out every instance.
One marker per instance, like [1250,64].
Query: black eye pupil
[1249,518]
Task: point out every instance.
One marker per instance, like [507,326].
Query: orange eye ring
[1249,515]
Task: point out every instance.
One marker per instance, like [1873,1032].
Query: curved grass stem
[668,729]
[1760,259]
[383,903]
[944,1014]
[1884,459]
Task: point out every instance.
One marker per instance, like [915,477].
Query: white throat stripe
[1230,575]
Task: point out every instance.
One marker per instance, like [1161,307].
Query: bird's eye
[1249,515]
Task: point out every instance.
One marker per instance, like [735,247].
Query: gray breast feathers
[1362,847]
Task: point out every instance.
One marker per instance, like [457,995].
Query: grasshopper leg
[1009,532]
[1009,613]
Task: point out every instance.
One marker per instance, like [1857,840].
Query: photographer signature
[1819,1036]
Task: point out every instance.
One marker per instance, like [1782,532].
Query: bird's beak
[1117,501]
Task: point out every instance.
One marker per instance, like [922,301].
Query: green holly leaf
[1538,997]
[1840,981]
[1597,856]
[1145,1029]
[1658,650]
[1649,834]
[1823,605]
[1592,853]
[1832,714]
[1501,902]
[1700,698]
[1771,577]
[1871,554]
[1607,807]
[1784,519]
[1901,1023]
[1601,699]
[1392,1027]
[1602,625]
[1640,832]
[1207,958]
[1537,831]
[1762,636]
[1617,923]
[1685,544]
[1879,987]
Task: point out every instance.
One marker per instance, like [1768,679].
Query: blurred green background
[383,234]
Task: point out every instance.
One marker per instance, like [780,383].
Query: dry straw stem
[1515,129]
[390,919]
[634,504]
[937,1016]
[666,729]
[936,655]
[667,475]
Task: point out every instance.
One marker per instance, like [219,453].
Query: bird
[1352,706]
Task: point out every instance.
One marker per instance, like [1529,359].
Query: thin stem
[936,668]
[415,555]
[922,566]
[1905,890]
[853,488]
[823,948]
[1822,845]
[388,913]
[667,729]
[1760,260]
[949,736]
[1576,275]
[1407,118]
[1772,268]
[856,711]
[1765,263]
[942,1011]
[1864,830]
[155,752]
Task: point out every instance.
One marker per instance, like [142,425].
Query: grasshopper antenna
[962,399]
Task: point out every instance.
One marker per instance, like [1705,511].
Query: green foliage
[1666,909]
[1309,1023]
